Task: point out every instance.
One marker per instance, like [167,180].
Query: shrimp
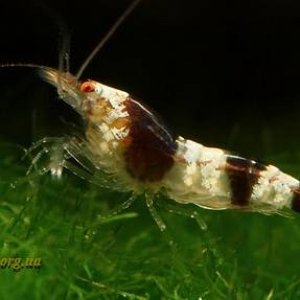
[127,141]
[127,147]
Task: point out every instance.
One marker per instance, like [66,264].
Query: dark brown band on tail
[295,203]
[243,174]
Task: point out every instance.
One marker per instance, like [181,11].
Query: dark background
[224,73]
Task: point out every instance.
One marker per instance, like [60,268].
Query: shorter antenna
[64,35]
[108,35]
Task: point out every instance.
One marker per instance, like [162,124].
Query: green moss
[87,256]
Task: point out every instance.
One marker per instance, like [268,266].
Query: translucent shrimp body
[130,143]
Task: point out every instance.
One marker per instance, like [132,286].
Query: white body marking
[198,178]
[274,188]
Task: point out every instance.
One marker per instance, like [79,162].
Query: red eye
[87,87]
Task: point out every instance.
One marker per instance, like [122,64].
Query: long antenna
[108,35]
[25,65]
